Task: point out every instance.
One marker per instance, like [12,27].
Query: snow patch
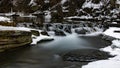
[111,32]
[118,2]
[92,5]
[32,3]
[103,64]
[5,19]
[2,28]
[63,1]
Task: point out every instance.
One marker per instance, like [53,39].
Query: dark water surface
[46,54]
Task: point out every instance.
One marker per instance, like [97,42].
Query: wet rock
[85,55]
[61,26]
[47,26]
[81,31]
[68,29]
[35,32]
[44,33]
[59,33]
[108,38]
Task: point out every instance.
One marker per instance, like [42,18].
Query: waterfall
[69,29]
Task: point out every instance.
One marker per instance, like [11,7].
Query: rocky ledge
[14,38]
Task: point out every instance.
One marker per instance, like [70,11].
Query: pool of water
[46,54]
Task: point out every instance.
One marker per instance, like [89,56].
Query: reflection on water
[46,54]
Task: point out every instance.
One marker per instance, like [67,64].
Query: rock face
[14,38]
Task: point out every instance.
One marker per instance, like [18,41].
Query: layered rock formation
[14,38]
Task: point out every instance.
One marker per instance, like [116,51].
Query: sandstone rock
[14,38]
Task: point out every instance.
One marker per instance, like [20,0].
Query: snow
[46,1]
[63,1]
[110,32]
[4,19]
[114,23]
[104,64]
[118,2]
[2,28]
[79,17]
[32,3]
[9,14]
[92,5]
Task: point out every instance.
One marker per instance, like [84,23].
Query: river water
[46,54]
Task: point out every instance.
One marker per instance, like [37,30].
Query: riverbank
[113,49]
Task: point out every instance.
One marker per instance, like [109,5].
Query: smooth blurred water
[46,54]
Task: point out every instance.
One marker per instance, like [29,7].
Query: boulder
[85,55]
[35,32]
[14,38]
[44,33]
[81,31]
[68,29]
[59,33]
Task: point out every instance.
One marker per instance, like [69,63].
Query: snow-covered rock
[89,4]
[39,38]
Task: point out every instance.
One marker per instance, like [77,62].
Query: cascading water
[68,29]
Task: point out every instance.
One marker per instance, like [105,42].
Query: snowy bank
[113,32]
[111,62]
